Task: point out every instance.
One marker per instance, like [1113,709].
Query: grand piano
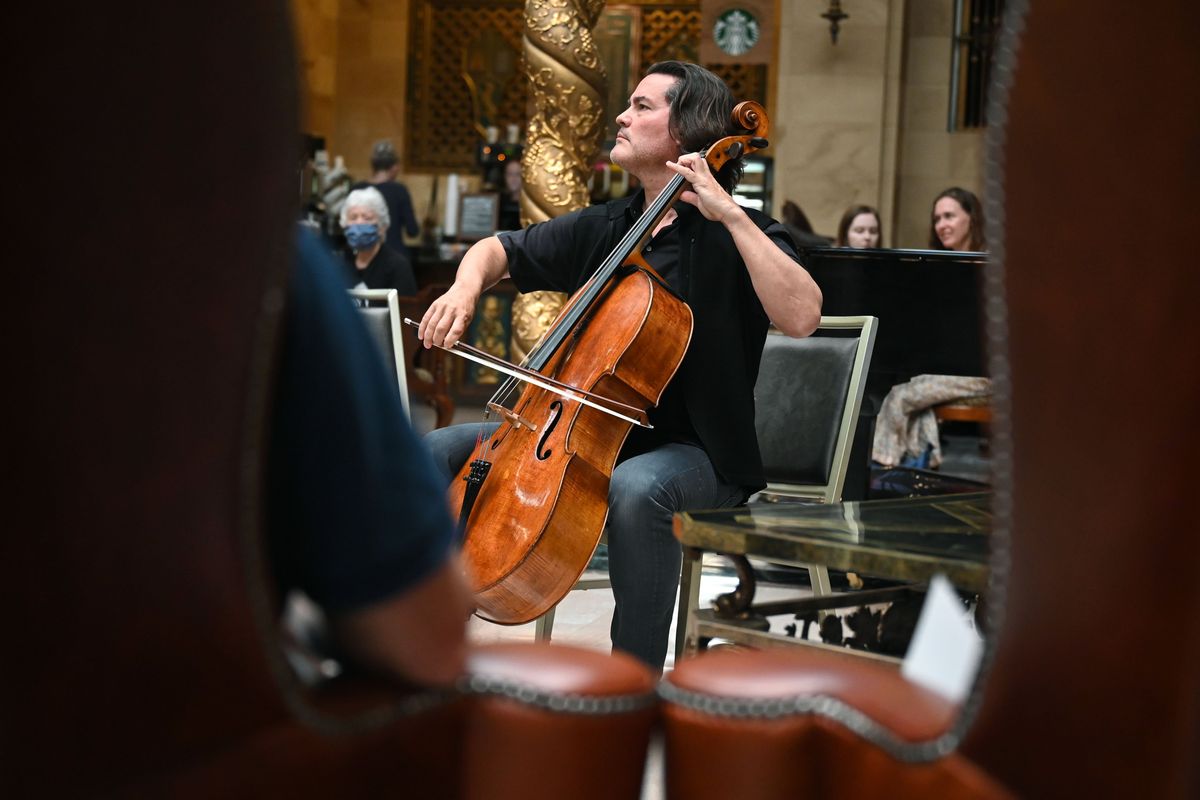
[930,320]
[927,302]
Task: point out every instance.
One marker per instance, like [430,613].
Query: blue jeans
[643,555]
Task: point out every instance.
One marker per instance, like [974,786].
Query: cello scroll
[750,117]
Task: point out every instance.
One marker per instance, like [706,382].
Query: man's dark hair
[383,156]
[701,112]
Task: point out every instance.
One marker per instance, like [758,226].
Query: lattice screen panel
[670,34]
[673,34]
[440,125]
[746,81]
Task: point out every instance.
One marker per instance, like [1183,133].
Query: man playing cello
[735,268]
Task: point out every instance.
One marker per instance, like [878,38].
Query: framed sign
[477,216]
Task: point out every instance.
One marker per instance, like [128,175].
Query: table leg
[735,605]
[686,643]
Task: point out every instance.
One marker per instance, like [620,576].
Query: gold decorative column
[567,87]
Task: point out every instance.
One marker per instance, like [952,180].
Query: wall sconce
[835,15]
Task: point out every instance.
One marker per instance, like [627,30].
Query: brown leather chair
[1093,688]
[140,655]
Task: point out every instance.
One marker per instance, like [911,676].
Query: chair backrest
[380,310]
[807,400]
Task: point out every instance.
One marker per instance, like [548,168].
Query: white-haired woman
[365,221]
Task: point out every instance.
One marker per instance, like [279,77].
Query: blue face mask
[362,235]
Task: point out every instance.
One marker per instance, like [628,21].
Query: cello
[533,501]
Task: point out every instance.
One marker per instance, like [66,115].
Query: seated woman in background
[374,264]
[860,228]
[957,221]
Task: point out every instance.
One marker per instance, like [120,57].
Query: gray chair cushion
[799,399]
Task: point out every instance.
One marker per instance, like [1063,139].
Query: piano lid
[928,303]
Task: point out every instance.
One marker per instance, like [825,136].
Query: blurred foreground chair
[144,660]
[1092,686]
[807,401]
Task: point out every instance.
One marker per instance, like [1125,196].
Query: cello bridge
[513,418]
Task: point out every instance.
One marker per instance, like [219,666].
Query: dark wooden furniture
[428,370]
[964,412]
[433,270]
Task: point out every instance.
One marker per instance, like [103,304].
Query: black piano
[930,310]
[928,303]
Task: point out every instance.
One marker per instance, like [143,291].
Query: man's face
[644,142]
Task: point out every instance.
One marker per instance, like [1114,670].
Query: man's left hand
[705,193]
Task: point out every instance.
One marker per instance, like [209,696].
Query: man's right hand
[447,318]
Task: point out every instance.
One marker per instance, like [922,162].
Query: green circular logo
[736,31]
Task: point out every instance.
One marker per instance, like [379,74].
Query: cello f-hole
[499,436]
[555,412]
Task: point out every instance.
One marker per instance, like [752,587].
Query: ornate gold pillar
[567,87]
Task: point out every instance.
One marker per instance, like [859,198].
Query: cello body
[541,511]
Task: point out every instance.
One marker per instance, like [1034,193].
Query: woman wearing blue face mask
[374,265]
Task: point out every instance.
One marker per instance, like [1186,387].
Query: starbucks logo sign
[736,31]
